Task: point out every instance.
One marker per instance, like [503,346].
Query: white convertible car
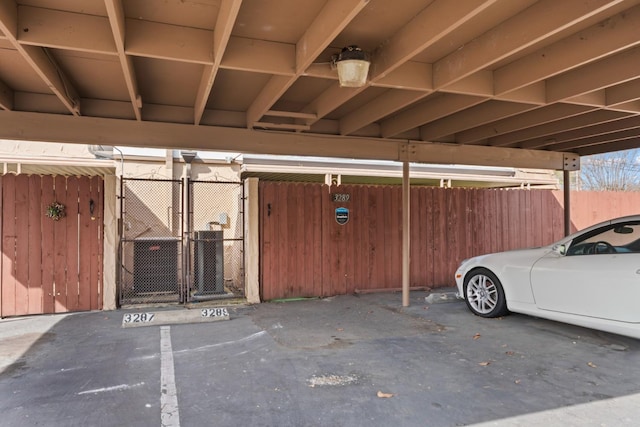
[590,278]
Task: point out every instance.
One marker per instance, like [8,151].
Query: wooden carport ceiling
[497,82]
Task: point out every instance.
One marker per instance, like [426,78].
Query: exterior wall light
[353,66]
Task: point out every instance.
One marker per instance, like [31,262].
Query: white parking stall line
[170,414]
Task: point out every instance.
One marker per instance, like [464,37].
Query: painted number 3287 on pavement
[138,317]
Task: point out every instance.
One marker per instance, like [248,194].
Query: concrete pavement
[343,361]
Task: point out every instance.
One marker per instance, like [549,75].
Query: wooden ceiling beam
[410,76]
[115,11]
[584,132]
[437,20]
[39,59]
[101,131]
[481,114]
[613,35]
[170,42]
[405,44]
[610,146]
[9,19]
[597,98]
[331,20]
[630,107]
[6,97]
[73,31]
[479,84]
[430,110]
[623,93]
[607,72]
[221,33]
[259,56]
[536,23]
[549,129]
[378,108]
[534,93]
[536,117]
[44,64]
[629,134]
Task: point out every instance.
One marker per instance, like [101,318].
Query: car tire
[484,294]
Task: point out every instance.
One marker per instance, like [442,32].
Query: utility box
[155,265]
[209,262]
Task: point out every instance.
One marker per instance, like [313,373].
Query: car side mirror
[560,249]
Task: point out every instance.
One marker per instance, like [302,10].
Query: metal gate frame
[215,264]
[162,259]
[150,241]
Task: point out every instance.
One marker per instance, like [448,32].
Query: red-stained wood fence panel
[50,266]
[96,239]
[592,207]
[60,251]
[8,285]
[21,271]
[48,247]
[305,252]
[35,294]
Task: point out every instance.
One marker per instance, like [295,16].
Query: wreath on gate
[55,211]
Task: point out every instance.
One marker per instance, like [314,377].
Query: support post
[406,209]
[567,202]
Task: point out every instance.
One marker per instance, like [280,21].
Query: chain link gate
[151,241]
[216,241]
[159,263]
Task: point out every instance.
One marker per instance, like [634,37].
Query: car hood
[515,257]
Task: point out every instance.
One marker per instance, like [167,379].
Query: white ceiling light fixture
[353,66]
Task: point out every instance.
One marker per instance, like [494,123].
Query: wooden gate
[50,266]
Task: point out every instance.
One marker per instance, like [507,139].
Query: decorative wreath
[55,211]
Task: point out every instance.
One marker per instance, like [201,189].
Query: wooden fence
[50,266]
[305,252]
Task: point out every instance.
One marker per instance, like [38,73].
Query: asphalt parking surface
[343,361]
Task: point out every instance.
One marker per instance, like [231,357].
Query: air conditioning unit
[208,262]
[155,265]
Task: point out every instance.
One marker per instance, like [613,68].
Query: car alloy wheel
[484,294]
